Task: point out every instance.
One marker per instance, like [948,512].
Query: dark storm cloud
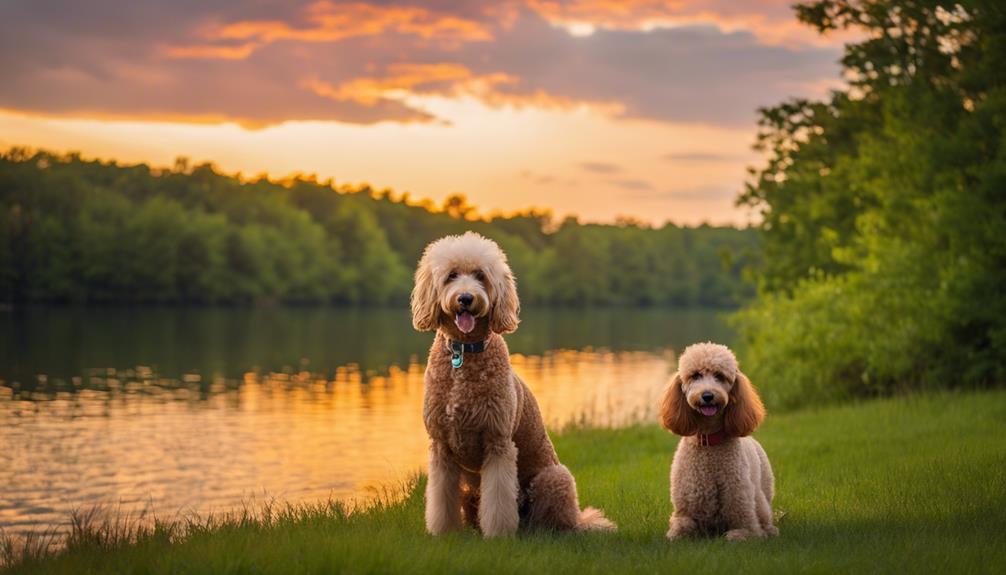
[263,62]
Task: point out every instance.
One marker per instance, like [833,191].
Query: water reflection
[63,343]
[220,407]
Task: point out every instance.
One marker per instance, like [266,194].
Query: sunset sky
[588,107]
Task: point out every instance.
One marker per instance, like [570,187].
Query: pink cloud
[771,21]
[364,62]
[330,22]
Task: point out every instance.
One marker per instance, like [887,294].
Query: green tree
[885,221]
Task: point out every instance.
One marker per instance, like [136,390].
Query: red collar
[712,438]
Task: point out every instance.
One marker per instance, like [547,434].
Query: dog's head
[465,287]
[709,393]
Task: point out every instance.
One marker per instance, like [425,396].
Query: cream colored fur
[492,464]
[498,502]
[442,488]
[723,489]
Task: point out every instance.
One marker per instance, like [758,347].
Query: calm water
[168,412]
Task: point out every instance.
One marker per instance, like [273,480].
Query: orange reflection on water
[142,445]
[597,387]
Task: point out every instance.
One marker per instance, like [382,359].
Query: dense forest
[884,210]
[75,230]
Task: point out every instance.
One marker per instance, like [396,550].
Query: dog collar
[458,350]
[710,439]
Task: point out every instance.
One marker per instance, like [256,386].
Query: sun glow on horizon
[578,161]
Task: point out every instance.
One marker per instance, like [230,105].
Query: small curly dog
[492,464]
[721,480]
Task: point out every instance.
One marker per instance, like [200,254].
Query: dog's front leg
[443,493]
[739,511]
[498,502]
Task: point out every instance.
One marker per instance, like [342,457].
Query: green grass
[914,484]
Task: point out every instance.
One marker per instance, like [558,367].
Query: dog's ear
[425,307]
[745,411]
[675,414]
[505,306]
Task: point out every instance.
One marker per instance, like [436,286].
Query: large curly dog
[492,464]
[721,480]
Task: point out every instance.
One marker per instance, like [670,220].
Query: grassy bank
[907,485]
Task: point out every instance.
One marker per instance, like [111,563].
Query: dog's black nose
[466,299]
[708,396]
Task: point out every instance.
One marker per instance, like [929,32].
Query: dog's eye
[452,276]
[479,275]
[718,376]
[697,375]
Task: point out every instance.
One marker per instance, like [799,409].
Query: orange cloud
[211,51]
[772,21]
[334,22]
[406,80]
[368,62]
[401,80]
[611,13]
[409,79]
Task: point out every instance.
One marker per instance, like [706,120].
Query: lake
[166,412]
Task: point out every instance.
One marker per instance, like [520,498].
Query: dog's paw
[441,527]
[675,534]
[500,522]
[681,527]
[742,534]
[772,531]
[497,531]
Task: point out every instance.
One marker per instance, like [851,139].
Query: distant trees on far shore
[82,231]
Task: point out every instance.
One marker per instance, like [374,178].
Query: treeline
[74,230]
[884,210]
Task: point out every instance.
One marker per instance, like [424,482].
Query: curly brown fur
[726,488]
[491,461]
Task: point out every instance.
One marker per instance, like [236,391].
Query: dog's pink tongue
[465,322]
[708,410]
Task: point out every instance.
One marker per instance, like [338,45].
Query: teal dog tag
[457,359]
